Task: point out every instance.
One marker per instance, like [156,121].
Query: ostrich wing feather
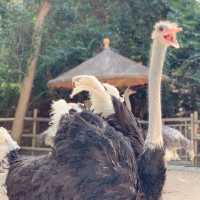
[124,121]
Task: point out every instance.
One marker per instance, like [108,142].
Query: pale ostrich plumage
[58,109]
[174,140]
[101,100]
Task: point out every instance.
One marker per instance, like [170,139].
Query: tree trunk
[27,84]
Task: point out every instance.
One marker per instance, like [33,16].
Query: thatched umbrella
[107,66]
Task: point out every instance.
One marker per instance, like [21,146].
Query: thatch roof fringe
[107,66]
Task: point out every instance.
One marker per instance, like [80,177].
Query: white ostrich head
[7,144]
[113,91]
[165,32]
[100,99]
[86,83]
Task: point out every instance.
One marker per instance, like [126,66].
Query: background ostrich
[174,140]
[7,145]
[153,177]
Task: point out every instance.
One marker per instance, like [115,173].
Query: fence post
[35,114]
[194,136]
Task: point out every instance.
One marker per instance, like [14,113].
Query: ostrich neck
[102,103]
[127,100]
[154,136]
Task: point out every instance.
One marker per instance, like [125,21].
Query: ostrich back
[91,161]
[124,121]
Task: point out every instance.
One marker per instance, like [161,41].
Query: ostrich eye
[161,28]
[72,111]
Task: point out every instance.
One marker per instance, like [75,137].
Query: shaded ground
[182,184]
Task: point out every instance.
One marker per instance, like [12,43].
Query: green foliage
[74,32]
[15,33]
[184,66]
[8,95]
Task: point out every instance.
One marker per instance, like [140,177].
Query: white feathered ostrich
[101,103]
[7,145]
[106,101]
[152,177]
[58,109]
[163,36]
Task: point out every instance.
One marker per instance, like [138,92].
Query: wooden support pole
[194,117]
[27,84]
[35,114]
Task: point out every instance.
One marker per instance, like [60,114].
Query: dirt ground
[182,184]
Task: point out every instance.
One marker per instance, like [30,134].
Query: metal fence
[189,127]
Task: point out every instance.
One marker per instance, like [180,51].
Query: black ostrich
[92,160]
[106,102]
[151,164]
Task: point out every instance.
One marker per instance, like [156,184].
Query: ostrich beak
[169,36]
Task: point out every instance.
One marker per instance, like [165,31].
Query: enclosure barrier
[189,126]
